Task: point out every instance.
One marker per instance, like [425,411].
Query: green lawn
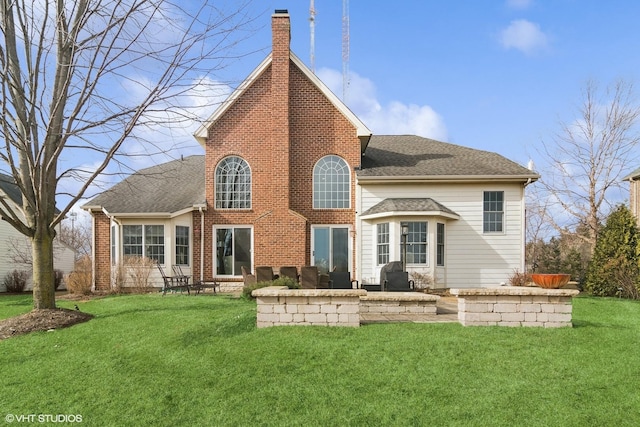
[200,361]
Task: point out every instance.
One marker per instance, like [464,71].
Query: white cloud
[524,36]
[395,118]
[519,4]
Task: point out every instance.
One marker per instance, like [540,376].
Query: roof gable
[363,132]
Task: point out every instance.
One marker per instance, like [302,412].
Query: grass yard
[200,361]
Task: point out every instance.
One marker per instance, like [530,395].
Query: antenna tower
[345,49]
[312,27]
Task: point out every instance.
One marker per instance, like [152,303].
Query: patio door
[330,248]
[233,249]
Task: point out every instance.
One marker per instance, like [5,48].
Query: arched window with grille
[331,183]
[233,184]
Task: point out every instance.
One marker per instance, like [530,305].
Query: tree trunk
[43,276]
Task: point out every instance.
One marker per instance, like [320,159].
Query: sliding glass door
[330,248]
[233,249]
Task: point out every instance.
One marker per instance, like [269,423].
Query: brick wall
[281,126]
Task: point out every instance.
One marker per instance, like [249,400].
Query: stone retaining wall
[279,306]
[515,306]
[398,303]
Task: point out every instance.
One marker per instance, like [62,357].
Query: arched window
[233,184]
[331,183]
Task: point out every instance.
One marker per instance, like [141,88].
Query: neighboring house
[15,248]
[634,192]
[291,177]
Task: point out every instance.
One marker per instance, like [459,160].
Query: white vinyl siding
[473,258]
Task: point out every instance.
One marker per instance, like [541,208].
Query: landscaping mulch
[41,320]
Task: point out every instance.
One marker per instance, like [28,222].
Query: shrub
[613,270]
[58,276]
[16,281]
[139,270]
[422,280]
[281,281]
[79,281]
[518,278]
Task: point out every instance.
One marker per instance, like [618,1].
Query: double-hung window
[416,242]
[493,212]
[440,244]
[147,240]
[182,245]
[383,243]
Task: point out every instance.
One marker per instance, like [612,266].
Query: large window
[233,184]
[383,243]
[416,242]
[182,245]
[493,212]
[331,184]
[133,237]
[440,244]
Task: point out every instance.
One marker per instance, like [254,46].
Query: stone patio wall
[515,306]
[280,306]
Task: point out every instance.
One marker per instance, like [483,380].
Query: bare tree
[77,235]
[80,79]
[588,158]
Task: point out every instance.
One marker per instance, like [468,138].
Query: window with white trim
[133,237]
[416,242]
[493,212]
[182,245]
[440,244]
[383,243]
[331,183]
[233,184]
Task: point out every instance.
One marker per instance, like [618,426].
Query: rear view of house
[291,177]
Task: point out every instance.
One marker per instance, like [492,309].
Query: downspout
[523,261]
[201,243]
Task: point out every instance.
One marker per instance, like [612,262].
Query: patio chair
[171,283]
[341,280]
[249,279]
[398,281]
[309,277]
[291,272]
[179,276]
[265,274]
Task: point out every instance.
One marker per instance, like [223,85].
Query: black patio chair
[290,272]
[265,274]
[341,280]
[398,281]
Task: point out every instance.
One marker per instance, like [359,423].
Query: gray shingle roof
[415,156]
[8,186]
[408,205]
[166,188]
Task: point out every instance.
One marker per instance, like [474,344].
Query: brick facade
[281,126]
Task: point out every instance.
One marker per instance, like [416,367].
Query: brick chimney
[281,39]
